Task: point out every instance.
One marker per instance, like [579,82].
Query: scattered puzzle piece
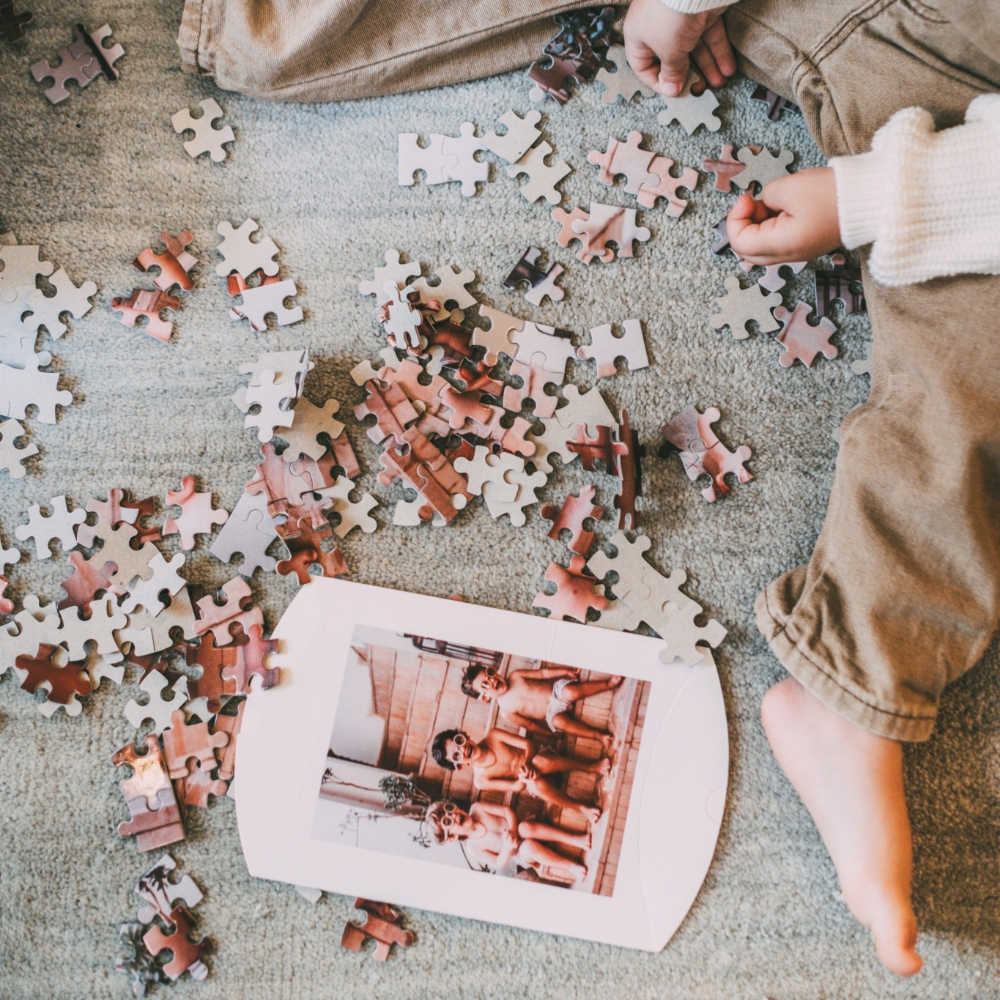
[76,63]
[394,270]
[762,167]
[842,281]
[150,797]
[160,894]
[801,339]
[273,401]
[740,306]
[624,158]
[496,337]
[432,160]
[587,408]
[47,310]
[207,138]
[218,619]
[623,82]
[604,348]
[520,136]
[608,223]
[11,24]
[243,255]
[158,708]
[352,515]
[98,628]
[575,593]
[59,525]
[263,300]
[12,458]
[147,592]
[61,681]
[144,302]
[466,168]
[726,167]
[197,517]
[541,282]
[305,551]
[542,179]
[382,926]
[576,509]
[187,954]
[772,279]
[185,741]
[690,110]
[703,454]
[536,339]
[174,263]
[667,185]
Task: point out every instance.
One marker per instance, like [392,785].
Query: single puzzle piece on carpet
[775,102]
[772,279]
[160,894]
[197,513]
[536,339]
[29,386]
[863,366]
[12,458]
[61,681]
[99,628]
[187,954]
[534,379]
[76,63]
[762,167]
[267,299]
[273,402]
[690,110]
[383,926]
[185,741]
[667,186]
[59,525]
[466,168]
[624,158]
[542,179]
[520,136]
[541,283]
[841,281]
[243,255]
[740,306]
[450,288]
[703,454]
[288,366]
[207,138]
[550,78]
[158,708]
[608,223]
[801,339]
[394,270]
[726,167]
[432,159]
[148,303]
[48,310]
[218,618]
[11,24]
[174,263]
[352,515]
[311,424]
[605,347]
[587,408]
[575,593]
[575,509]
[623,82]
[567,234]
[146,593]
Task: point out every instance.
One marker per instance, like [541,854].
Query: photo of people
[481,759]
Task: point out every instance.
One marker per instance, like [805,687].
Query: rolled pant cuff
[820,682]
[190,38]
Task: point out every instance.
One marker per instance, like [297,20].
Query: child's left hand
[794,219]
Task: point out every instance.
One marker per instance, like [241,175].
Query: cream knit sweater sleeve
[928,201]
[695,6]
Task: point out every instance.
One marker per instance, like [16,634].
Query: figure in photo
[542,700]
[506,762]
[492,838]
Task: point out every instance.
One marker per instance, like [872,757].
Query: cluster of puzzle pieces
[82,62]
[164,922]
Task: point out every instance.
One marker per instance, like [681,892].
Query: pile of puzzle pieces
[163,923]
[25,310]
[293,492]
[249,267]
[447,438]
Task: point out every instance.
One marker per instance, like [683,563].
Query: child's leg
[902,593]
[546,762]
[534,855]
[532,830]
[541,789]
[576,690]
[564,722]
[335,50]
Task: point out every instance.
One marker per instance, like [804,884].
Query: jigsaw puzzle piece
[520,136]
[432,160]
[542,179]
[575,593]
[207,138]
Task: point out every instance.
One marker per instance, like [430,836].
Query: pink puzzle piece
[574,511]
[174,263]
[667,185]
[625,158]
[217,618]
[143,302]
[702,453]
[726,167]
[575,592]
[198,514]
[181,742]
[801,339]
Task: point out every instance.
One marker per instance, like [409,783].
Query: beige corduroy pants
[902,593]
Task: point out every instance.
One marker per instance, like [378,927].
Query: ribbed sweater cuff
[860,201]
[695,6]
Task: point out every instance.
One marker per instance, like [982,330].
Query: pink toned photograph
[481,759]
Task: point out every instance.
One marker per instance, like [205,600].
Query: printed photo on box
[480,759]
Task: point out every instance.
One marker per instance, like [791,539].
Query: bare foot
[592,813]
[607,742]
[605,768]
[851,781]
[615,681]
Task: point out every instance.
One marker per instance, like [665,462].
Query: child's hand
[794,219]
[659,42]
[527,773]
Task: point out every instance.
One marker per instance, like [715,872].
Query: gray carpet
[93,181]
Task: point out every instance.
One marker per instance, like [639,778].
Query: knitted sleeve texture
[695,6]
[928,201]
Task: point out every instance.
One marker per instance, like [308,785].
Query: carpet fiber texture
[95,180]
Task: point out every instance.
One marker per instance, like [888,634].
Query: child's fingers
[674,66]
[717,41]
[705,61]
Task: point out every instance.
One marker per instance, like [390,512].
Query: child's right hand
[660,44]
